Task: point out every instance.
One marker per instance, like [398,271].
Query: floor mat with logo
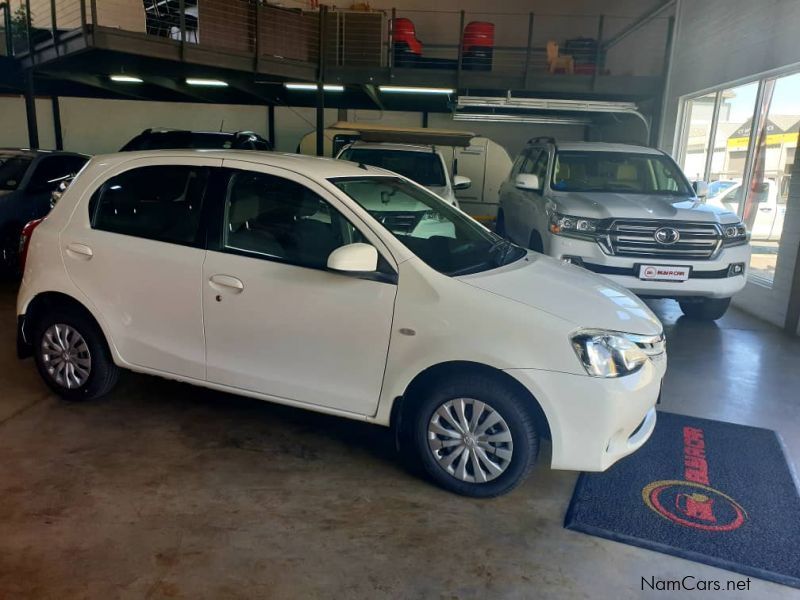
[708,491]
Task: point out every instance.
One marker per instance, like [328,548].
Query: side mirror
[528,182]
[700,188]
[461,183]
[354,258]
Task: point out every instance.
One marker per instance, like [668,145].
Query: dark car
[175,139]
[27,179]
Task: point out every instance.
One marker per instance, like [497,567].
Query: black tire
[103,373]
[500,224]
[9,251]
[500,398]
[706,309]
[536,243]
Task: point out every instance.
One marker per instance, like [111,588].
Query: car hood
[570,293]
[604,205]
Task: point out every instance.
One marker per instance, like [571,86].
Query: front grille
[638,239]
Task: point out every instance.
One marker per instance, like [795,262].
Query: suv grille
[638,239]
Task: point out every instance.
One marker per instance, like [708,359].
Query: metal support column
[30,111]
[57,123]
[271,124]
[529,49]
[323,13]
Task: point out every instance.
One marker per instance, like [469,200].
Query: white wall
[14,124]
[719,42]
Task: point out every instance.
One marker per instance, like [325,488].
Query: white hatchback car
[341,289]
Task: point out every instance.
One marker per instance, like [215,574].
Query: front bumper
[594,422]
[708,279]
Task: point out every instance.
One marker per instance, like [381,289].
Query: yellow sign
[772,140]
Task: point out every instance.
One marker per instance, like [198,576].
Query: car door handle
[79,251]
[231,284]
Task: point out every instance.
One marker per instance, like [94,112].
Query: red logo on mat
[693,502]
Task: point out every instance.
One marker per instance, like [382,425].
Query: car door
[135,247]
[532,205]
[277,321]
[516,227]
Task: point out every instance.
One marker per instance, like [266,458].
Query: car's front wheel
[72,355]
[475,436]
[705,309]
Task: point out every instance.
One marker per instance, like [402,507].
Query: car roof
[606,147]
[160,131]
[30,153]
[313,166]
[394,146]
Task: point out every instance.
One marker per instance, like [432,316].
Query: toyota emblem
[666,236]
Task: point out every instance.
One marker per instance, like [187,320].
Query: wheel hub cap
[65,356]
[470,440]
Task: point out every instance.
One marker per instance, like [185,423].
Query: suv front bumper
[708,278]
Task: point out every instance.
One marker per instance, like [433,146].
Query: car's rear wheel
[705,309]
[9,251]
[72,355]
[475,437]
[535,243]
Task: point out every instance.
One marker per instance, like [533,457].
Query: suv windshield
[439,234]
[12,170]
[423,167]
[617,172]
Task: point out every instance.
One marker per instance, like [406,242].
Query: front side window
[162,203]
[12,170]
[276,218]
[423,167]
[439,234]
[617,172]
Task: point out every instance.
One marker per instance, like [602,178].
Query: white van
[484,162]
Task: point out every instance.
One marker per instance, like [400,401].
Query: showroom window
[161,203]
[276,218]
[750,132]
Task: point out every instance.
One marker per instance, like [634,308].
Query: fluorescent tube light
[313,87]
[206,82]
[414,90]
[125,79]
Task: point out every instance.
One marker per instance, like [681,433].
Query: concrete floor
[162,490]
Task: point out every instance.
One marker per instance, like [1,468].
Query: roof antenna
[361,165]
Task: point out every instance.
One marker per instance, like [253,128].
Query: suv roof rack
[543,138]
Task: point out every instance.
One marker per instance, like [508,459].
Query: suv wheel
[475,437]
[500,224]
[705,309]
[72,356]
[536,243]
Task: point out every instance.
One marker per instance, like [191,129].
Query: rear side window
[162,203]
[51,170]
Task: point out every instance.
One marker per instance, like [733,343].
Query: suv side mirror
[354,258]
[700,188]
[528,182]
[461,183]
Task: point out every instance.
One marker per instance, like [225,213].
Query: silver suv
[628,213]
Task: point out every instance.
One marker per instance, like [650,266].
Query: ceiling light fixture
[313,87]
[397,89]
[537,119]
[125,79]
[206,82]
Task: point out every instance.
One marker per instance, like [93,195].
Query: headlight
[608,353]
[734,234]
[573,226]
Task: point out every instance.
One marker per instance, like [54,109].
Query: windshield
[12,170]
[423,167]
[442,236]
[618,172]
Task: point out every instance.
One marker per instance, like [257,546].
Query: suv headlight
[608,353]
[734,234]
[568,225]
